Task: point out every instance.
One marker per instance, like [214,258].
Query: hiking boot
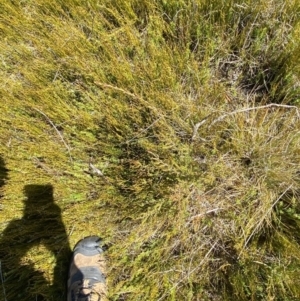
[87,272]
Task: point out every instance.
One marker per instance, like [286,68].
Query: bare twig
[126,92]
[46,168]
[196,127]
[65,242]
[202,261]
[249,32]
[57,131]
[192,271]
[71,232]
[104,85]
[204,213]
[255,108]
[144,130]
[95,171]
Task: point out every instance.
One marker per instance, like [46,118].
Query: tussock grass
[189,109]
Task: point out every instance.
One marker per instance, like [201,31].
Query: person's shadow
[41,224]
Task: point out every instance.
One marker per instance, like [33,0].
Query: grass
[190,109]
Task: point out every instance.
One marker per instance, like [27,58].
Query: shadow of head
[3,172]
[39,200]
[38,193]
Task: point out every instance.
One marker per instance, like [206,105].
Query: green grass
[191,111]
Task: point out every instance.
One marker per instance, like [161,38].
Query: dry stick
[134,96]
[249,32]
[255,108]
[57,131]
[192,271]
[103,85]
[203,214]
[202,261]
[197,125]
[71,232]
[63,244]
[144,130]
[263,218]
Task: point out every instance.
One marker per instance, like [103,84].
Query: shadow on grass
[41,224]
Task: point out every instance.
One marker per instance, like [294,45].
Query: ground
[168,128]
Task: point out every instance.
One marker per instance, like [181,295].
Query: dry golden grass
[190,111]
